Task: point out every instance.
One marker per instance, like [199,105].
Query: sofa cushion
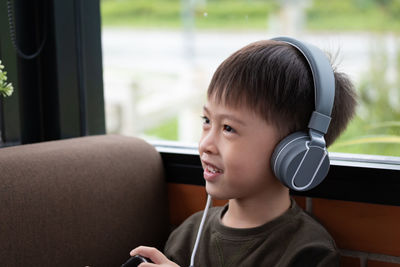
[80,202]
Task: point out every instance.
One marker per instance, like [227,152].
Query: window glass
[159,56]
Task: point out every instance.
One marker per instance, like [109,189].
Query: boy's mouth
[211,172]
[213,169]
[210,167]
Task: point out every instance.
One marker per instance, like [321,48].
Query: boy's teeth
[213,170]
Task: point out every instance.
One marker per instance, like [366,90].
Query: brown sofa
[80,202]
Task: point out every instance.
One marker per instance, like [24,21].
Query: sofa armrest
[80,202]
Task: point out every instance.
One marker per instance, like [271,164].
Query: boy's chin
[214,193]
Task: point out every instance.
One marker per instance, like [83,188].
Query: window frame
[352,177]
[59,93]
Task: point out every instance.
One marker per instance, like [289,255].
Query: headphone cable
[11,25]
[199,232]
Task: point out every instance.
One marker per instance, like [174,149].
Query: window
[58,93]
[159,56]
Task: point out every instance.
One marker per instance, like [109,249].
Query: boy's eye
[228,129]
[205,120]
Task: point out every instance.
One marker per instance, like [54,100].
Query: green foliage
[168,13]
[364,138]
[142,13]
[234,14]
[6,89]
[354,15]
[343,15]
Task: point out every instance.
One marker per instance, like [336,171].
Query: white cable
[203,219]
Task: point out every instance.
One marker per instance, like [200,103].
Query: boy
[257,96]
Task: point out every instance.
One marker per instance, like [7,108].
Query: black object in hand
[135,261]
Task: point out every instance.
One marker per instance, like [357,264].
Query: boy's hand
[154,255]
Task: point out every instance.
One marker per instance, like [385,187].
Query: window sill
[352,177]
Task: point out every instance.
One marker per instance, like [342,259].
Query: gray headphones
[300,161]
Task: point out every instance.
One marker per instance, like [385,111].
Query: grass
[322,15]
[141,13]
[362,137]
[243,14]
[165,131]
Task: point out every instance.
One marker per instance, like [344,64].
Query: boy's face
[235,149]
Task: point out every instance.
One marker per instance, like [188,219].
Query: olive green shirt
[293,239]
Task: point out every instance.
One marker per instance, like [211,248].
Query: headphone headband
[324,82]
[300,161]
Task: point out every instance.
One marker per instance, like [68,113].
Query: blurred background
[159,56]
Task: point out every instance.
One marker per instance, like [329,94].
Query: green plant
[6,89]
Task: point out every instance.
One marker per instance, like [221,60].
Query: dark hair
[274,80]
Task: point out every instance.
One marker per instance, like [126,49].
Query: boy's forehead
[222,102]
[228,98]
[228,109]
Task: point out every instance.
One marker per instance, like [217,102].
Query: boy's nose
[207,143]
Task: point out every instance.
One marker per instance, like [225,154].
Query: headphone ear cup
[284,153]
[290,158]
